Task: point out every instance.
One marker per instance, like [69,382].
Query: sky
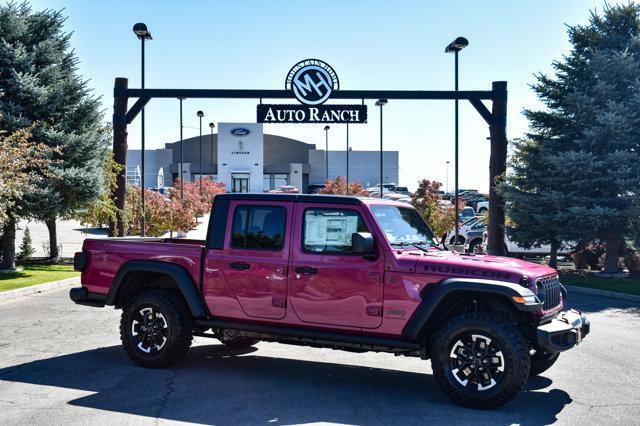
[391,45]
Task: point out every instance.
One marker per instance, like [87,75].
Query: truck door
[328,283]
[255,256]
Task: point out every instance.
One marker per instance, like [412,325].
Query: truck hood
[451,264]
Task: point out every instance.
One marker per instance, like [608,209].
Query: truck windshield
[403,226]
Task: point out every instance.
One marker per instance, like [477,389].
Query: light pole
[181,176]
[347,152]
[380,103]
[454,47]
[446,171]
[326,153]
[141,31]
[200,115]
[211,126]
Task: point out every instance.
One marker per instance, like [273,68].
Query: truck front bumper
[563,332]
[81,296]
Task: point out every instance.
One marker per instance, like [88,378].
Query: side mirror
[362,243]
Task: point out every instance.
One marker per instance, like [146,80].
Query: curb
[604,293]
[38,288]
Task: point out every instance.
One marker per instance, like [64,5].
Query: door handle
[241,266]
[306,270]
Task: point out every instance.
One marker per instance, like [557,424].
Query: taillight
[80,261]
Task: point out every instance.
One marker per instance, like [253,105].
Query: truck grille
[549,291]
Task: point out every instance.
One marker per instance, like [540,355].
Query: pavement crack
[170,385]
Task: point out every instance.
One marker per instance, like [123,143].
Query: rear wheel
[541,362]
[156,328]
[480,360]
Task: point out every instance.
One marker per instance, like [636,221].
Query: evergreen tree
[533,198]
[41,87]
[588,137]
[26,248]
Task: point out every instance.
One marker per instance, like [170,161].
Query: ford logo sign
[240,131]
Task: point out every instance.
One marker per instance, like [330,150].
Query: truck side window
[258,227]
[328,231]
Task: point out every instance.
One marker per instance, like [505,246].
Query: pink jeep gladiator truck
[357,274]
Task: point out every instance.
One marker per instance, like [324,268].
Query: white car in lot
[513,249]
[482,207]
[473,224]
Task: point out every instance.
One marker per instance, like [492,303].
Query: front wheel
[480,360]
[156,328]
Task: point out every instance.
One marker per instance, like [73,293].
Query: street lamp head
[200,114]
[456,45]
[381,102]
[141,31]
[327,127]
[212,125]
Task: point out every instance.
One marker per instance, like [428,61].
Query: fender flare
[179,275]
[414,328]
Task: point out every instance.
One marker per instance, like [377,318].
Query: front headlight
[524,281]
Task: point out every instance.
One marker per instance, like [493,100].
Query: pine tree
[41,87]
[26,248]
[533,198]
[588,137]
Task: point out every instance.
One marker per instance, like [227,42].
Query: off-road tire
[178,331]
[233,339]
[541,362]
[504,336]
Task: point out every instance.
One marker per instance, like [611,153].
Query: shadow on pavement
[591,303]
[219,385]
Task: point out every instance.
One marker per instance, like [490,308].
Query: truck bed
[106,256]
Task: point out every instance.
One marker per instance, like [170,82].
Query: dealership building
[247,160]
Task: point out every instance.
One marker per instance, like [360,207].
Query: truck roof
[304,198]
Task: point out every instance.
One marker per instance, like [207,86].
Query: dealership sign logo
[240,131]
[312,82]
[241,149]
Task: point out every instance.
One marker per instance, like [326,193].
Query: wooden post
[120,154]
[497,168]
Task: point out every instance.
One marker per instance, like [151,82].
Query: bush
[588,256]
[338,186]
[439,215]
[26,248]
[632,262]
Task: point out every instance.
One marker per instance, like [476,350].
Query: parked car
[513,249]
[402,190]
[466,213]
[337,272]
[473,242]
[314,189]
[483,207]
[475,223]
[285,189]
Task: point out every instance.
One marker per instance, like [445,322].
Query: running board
[312,335]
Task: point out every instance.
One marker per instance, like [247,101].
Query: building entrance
[240,182]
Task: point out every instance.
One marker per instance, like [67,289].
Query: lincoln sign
[312,82]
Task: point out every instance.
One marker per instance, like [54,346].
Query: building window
[196,176]
[328,231]
[266,183]
[258,227]
[280,180]
[133,176]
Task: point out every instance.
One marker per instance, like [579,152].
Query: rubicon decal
[456,270]
[311,114]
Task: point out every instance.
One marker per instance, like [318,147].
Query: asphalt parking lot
[62,364]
